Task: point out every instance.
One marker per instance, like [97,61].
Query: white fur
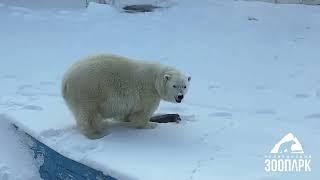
[108,86]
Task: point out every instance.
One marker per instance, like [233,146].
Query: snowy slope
[255,78]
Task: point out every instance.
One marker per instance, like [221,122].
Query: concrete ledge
[58,167]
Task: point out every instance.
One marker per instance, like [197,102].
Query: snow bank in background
[100,9]
[162,3]
[41,4]
[16,162]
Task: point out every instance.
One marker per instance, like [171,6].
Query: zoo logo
[287,156]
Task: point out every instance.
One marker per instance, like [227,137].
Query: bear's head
[172,86]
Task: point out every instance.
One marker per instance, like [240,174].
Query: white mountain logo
[287,156]
[288,144]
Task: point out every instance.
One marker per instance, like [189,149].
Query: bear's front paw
[95,134]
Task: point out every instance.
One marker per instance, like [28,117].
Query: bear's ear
[167,77]
[189,78]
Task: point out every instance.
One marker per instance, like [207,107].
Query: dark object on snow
[251,18]
[140,8]
[58,167]
[165,118]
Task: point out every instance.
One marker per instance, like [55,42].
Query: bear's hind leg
[91,123]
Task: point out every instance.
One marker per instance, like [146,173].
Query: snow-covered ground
[255,78]
[16,162]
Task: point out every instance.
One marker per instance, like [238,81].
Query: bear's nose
[180,97]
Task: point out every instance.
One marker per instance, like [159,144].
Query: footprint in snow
[213,87]
[318,93]
[302,95]
[313,116]
[64,12]
[221,115]
[86,147]
[294,75]
[265,112]
[47,83]
[24,86]
[217,149]
[32,107]
[8,76]
[31,91]
[190,118]
[51,133]
[20,9]
[12,104]
[57,132]
[262,88]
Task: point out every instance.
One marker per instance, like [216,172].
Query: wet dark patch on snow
[313,116]
[32,107]
[165,118]
[140,8]
[251,18]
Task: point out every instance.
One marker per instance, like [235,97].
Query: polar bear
[108,86]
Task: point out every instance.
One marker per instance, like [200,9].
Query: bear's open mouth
[177,100]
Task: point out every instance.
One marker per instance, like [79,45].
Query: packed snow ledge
[255,77]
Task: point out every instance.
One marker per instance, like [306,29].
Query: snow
[46,4]
[255,78]
[16,161]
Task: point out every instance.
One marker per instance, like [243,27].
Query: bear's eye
[174,86]
[184,87]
